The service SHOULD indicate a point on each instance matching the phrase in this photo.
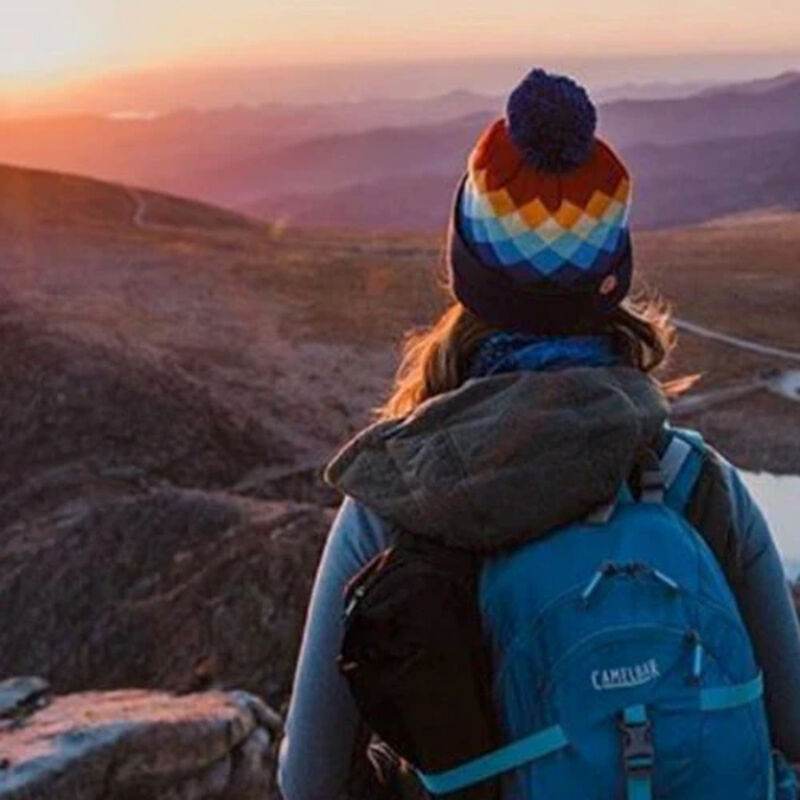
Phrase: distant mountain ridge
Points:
(403, 177)
(393, 163)
(675, 183)
(758, 86)
(339, 160)
(733, 111)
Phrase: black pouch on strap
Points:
(710, 511)
(414, 657)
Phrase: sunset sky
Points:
(50, 44)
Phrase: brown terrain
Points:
(174, 375)
(742, 277)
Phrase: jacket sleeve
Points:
(322, 722)
(766, 605)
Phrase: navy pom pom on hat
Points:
(539, 239)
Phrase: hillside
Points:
(36, 200)
(173, 376)
(263, 316)
(738, 276)
(237, 305)
(148, 534)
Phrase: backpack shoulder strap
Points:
(696, 487)
(682, 461)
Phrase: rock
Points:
(137, 745)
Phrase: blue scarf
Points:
(513, 352)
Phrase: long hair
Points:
(436, 359)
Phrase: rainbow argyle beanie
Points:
(539, 238)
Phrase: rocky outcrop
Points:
(147, 539)
(140, 745)
(146, 535)
(166, 588)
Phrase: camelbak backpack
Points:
(617, 664)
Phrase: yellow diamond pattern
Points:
(501, 202)
(534, 213)
(568, 214)
(597, 204)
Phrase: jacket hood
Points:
(504, 459)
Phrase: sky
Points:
(51, 45)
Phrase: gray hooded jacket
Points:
(495, 462)
(505, 458)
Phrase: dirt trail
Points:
(736, 341)
(138, 220)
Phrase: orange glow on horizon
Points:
(48, 44)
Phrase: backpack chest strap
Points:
(638, 753)
(514, 755)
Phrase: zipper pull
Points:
(358, 593)
(606, 569)
(697, 656)
(666, 580)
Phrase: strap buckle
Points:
(638, 753)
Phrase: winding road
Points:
(784, 383)
(140, 210)
(736, 341)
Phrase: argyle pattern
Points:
(565, 229)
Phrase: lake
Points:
(779, 498)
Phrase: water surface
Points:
(779, 498)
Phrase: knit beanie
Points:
(538, 239)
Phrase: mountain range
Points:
(392, 164)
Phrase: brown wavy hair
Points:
(436, 359)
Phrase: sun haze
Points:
(42, 39)
(114, 55)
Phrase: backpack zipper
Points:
(358, 593)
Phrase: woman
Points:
(519, 410)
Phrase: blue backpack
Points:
(621, 665)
